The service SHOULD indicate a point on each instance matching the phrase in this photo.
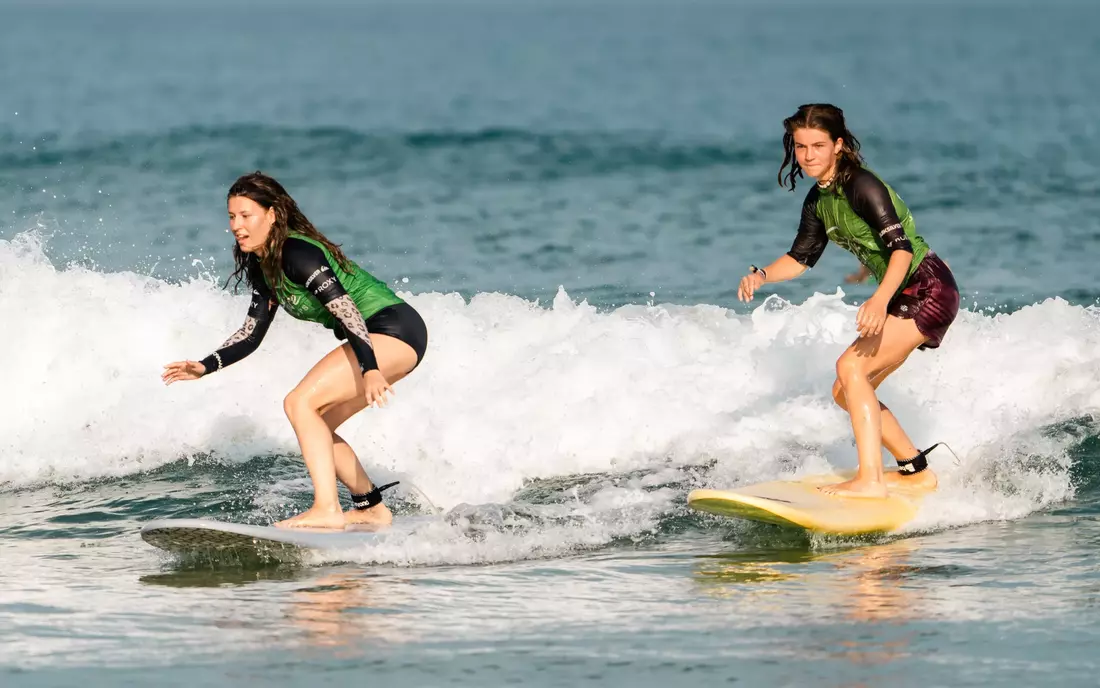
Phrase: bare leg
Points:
(396, 359)
(856, 368)
(894, 438)
(334, 381)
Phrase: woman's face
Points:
(250, 223)
(816, 152)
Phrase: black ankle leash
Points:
(374, 497)
(916, 464)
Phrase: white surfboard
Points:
(201, 535)
(800, 504)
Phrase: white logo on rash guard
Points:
(894, 235)
(315, 274)
(324, 285)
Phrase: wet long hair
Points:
(268, 193)
(829, 119)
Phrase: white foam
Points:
(513, 391)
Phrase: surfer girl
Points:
(914, 304)
(288, 263)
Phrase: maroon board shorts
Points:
(930, 298)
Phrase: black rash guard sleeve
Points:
(811, 240)
(306, 265)
(247, 339)
(871, 200)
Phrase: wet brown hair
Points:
(829, 119)
(268, 193)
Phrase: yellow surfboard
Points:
(800, 504)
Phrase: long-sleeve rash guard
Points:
(307, 266)
(865, 217)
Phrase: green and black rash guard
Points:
(866, 218)
(313, 289)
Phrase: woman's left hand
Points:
(871, 317)
(376, 387)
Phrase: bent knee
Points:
(296, 403)
(849, 368)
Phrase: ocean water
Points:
(569, 195)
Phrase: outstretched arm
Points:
(782, 269)
(242, 343)
(806, 250)
(247, 339)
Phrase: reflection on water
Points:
(861, 585)
(719, 573)
(867, 583)
(338, 609)
(346, 610)
(216, 578)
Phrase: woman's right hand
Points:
(749, 284)
(182, 370)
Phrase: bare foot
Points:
(926, 479)
(377, 515)
(314, 518)
(855, 488)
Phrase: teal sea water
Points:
(569, 194)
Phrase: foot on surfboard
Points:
(377, 515)
(856, 488)
(925, 480)
(314, 518)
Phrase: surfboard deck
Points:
(200, 535)
(798, 503)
